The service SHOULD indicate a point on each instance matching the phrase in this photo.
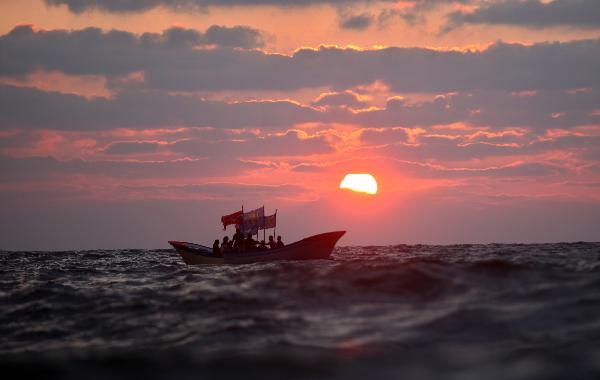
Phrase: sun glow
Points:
(363, 183)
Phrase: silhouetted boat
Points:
(310, 248)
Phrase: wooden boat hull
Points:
(194, 254)
(311, 248)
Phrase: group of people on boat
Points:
(241, 243)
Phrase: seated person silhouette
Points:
(279, 242)
(225, 245)
(262, 246)
(216, 250)
(249, 243)
(272, 244)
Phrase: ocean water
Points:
(428, 312)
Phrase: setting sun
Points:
(364, 183)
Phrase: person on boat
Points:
(262, 246)
(237, 242)
(279, 242)
(216, 249)
(272, 244)
(225, 245)
(249, 243)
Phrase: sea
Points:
(494, 311)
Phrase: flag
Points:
(235, 218)
(252, 221)
(270, 222)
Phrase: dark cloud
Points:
(532, 14)
(307, 168)
(383, 136)
(537, 110)
(78, 6)
(414, 11)
(593, 185)
(226, 190)
(503, 66)
(141, 109)
(17, 139)
(114, 52)
(175, 66)
(339, 99)
(237, 36)
(223, 36)
(442, 149)
(84, 51)
(288, 144)
(447, 150)
(184, 38)
(175, 37)
(529, 169)
(426, 170)
(357, 22)
(131, 147)
(400, 112)
(48, 168)
(522, 169)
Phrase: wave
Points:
(466, 310)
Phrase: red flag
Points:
(235, 218)
(270, 221)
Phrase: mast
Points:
(275, 226)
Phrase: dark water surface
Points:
(462, 311)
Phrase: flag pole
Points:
(275, 226)
(263, 221)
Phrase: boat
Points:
(311, 248)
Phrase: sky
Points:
(125, 124)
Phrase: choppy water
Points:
(463, 311)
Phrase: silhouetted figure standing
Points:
(238, 240)
(279, 242)
(272, 244)
(216, 249)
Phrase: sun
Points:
(363, 183)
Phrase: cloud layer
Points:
(532, 14)
(171, 61)
(78, 6)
